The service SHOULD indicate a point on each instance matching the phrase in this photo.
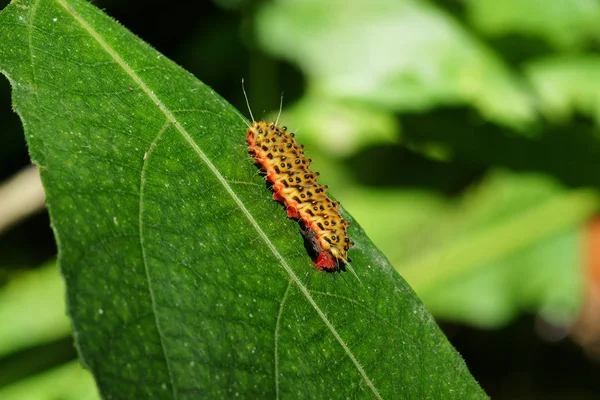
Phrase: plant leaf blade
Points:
(184, 279)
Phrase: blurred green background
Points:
(462, 134)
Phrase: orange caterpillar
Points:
(296, 186)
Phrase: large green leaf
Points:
(184, 279)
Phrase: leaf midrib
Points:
(171, 118)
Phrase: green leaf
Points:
(184, 279)
(566, 85)
(566, 24)
(341, 127)
(32, 310)
(67, 382)
(509, 245)
(402, 56)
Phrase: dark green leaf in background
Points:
(184, 279)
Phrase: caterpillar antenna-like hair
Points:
(280, 107)
(353, 273)
(247, 102)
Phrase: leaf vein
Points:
(357, 304)
(276, 336)
(145, 259)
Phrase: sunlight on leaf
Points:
(67, 382)
(340, 128)
(567, 85)
(32, 310)
(403, 56)
(566, 24)
(509, 245)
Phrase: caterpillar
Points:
(296, 186)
